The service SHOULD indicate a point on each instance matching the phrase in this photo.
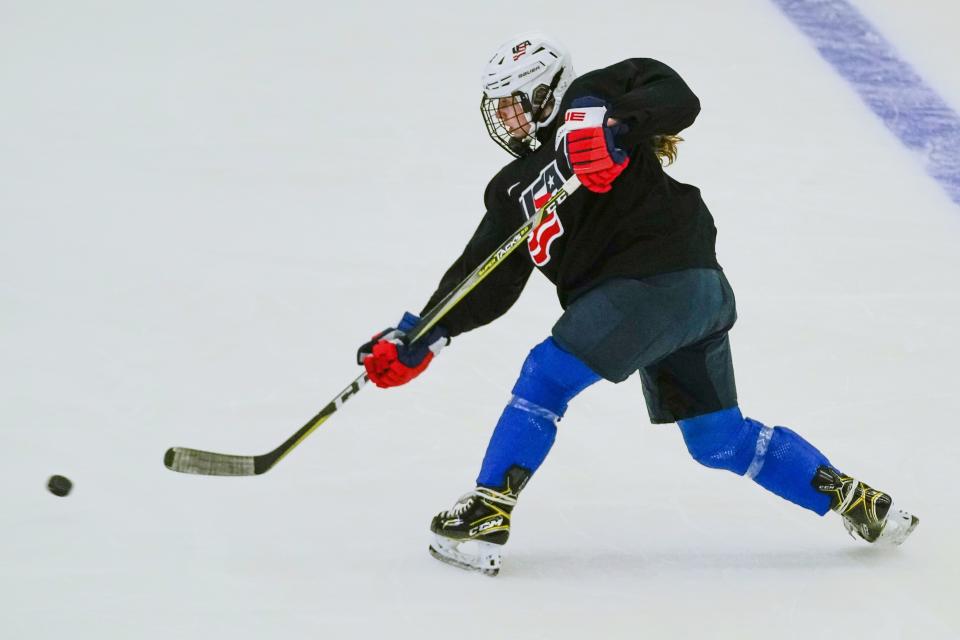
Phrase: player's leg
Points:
(549, 379)
(695, 387)
(783, 462)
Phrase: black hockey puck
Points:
(59, 486)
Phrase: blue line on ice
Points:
(912, 110)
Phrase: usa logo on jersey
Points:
(550, 227)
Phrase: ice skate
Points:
(480, 517)
(867, 513)
(480, 523)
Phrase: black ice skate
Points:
(866, 512)
(480, 517)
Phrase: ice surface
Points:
(205, 208)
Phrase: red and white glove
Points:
(391, 362)
(591, 149)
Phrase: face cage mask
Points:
(526, 117)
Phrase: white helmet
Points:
(523, 84)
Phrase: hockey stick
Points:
(209, 463)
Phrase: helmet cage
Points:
(536, 109)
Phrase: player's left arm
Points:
(615, 109)
(657, 100)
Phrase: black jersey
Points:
(647, 224)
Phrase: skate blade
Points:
(896, 529)
(487, 561)
(900, 525)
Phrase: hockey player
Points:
(633, 260)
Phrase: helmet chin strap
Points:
(518, 147)
(533, 134)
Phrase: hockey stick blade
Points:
(208, 463)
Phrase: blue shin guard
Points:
(549, 379)
(778, 459)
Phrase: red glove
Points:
(591, 149)
(391, 362)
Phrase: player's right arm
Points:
(497, 292)
(389, 362)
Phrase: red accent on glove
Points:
(385, 368)
(591, 160)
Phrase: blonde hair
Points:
(666, 148)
